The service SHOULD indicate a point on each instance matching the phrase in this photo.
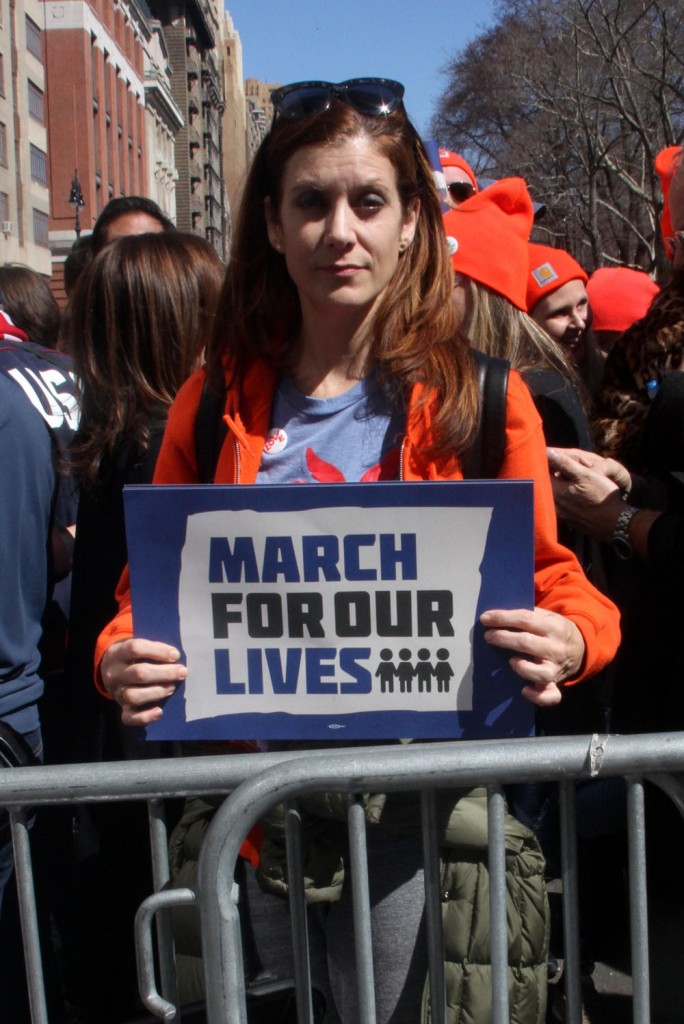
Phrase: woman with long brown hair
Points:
(335, 330)
(139, 319)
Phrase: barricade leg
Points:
(638, 902)
(29, 917)
(433, 908)
(300, 939)
(224, 972)
(497, 906)
(570, 876)
(361, 904)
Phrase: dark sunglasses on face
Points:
(373, 97)
(461, 190)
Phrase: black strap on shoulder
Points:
(482, 461)
(484, 458)
(210, 432)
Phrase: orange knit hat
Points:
(449, 159)
(665, 163)
(619, 296)
(487, 237)
(549, 269)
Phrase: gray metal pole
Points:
(569, 869)
(638, 901)
(363, 943)
(29, 917)
(433, 908)
(497, 904)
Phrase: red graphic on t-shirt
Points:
(325, 473)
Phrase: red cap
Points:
(449, 159)
(487, 237)
(665, 163)
(549, 269)
(619, 296)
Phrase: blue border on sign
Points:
(156, 518)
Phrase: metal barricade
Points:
(257, 782)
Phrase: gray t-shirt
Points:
(353, 437)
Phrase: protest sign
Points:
(333, 611)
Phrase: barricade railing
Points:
(258, 782)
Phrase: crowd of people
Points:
(345, 320)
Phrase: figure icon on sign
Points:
(386, 671)
(405, 671)
(443, 671)
(424, 671)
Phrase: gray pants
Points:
(397, 926)
(400, 967)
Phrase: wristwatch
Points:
(620, 539)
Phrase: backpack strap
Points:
(210, 432)
(484, 458)
(482, 461)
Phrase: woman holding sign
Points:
(338, 357)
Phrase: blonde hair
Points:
(495, 326)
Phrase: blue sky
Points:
(324, 39)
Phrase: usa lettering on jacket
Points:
(52, 392)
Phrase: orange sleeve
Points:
(175, 465)
(559, 581)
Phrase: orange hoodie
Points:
(560, 584)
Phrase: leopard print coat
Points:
(648, 350)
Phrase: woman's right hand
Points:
(139, 675)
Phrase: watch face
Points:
(621, 547)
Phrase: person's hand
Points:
(587, 496)
(548, 648)
(609, 468)
(139, 675)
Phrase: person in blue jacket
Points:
(27, 492)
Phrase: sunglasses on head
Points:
(461, 190)
(374, 97)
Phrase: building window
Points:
(4, 206)
(38, 166)
(33, 38)
(2, 75)
(35, 102)
(108, 109)
(40, 228)
(3, 145)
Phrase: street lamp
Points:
(77, 201)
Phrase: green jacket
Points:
(464, 889)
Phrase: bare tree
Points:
(577, 97)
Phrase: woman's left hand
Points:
(549, 648)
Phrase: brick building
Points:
(234, 122)
(95, 64)
(24, 196)
(125, 95)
